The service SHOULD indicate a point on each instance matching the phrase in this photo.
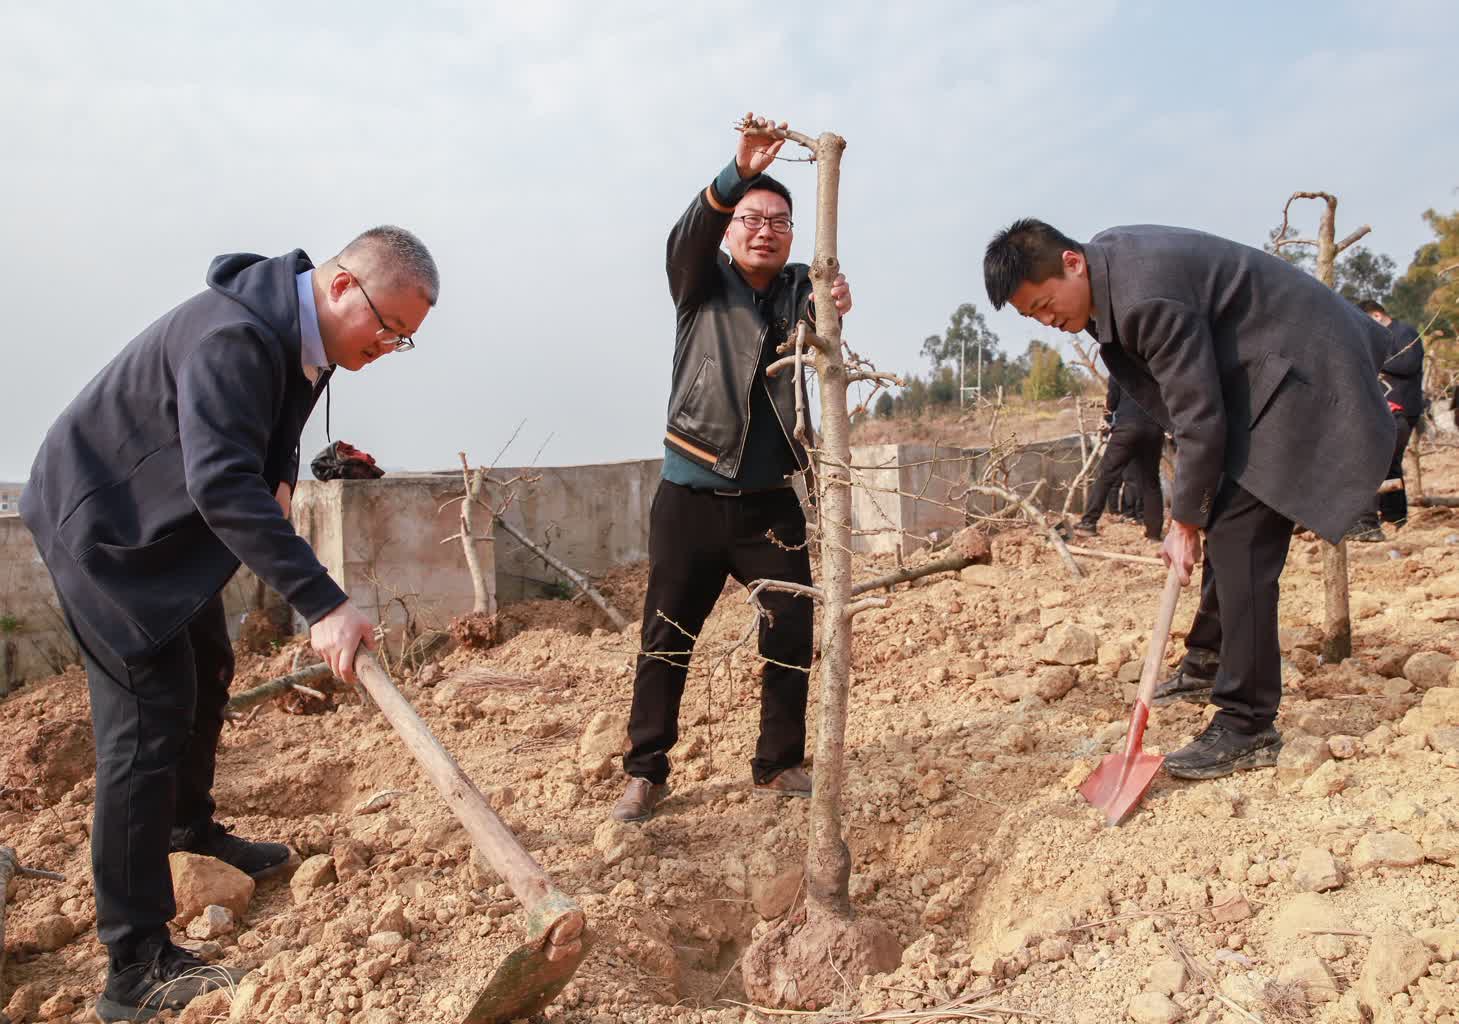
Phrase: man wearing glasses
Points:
(175, 464)
(725, 506)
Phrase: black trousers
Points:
(1245, 550)
(157, 725)
(1393, 506)
(697, 539)
(1126, 447)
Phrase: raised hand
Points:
(757, 148)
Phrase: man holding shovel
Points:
(725, 506)
(1268, 380)
(175, 464)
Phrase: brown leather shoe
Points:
(791, 782)
(639, 799)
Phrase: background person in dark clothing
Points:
(1403, 380)
(725, 506)
(1134, 441)
(175, 464)
(1268, 382)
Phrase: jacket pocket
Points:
(691, 418)
(1270, 373)
(160, 585)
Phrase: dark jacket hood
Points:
(265, 287)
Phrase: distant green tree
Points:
(966, 333)
(1047, 377)
(1365, 274)
(886, 406)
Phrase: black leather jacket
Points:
(721, 331)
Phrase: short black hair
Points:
(1027, 250)
(769, 184)
(1372, 306)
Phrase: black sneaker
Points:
(211, 839)
(169, 980)
(1186, 684)
(1086, 529)
(1220, 751)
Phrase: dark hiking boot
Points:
(168, 980)
(1192, 680)
(210, 839)
(1085, 528)
(1221, 750)
(794, 782)
(639, 799)
(1366, 530)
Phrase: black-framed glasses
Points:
(398, 342)
(754, 222)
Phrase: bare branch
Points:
(874, 375)
(1034, 516)
(592, 592)
(862, 604)
(1353, 237)
(1115, 556)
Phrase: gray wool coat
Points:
(1259, 371)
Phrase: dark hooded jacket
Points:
(159, 478)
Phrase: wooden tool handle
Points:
(1155, 653)
(514, 864)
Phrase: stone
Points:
(773, 897)
(1344, 747)
(1300, 757)
(1326, 781)
(1316, 871)
(1428, 669)
(1389, 661)
(200, 882)
(1111, 656)
(1069, 645)
(1300, 638)
(983, 575)
(1308, 911)
(1236, 865)
(207, 1008)
(931, 786)
(315, 873)
(350, 858)
(1168, 977)
(1015, 739)
(1154, 1008)
(1444, 942)
(1386, 849)
(1315, 977)
(211, 923)
(391, 918)
(1444, 739)
(24, 1002)
(56, 1007)
(1395, 961)
(1330, 947)
(1378, 739)
(1442, 847)
(46, 934)
(385, 941)
(603, 741)
(1229, 907)
(617, 841)
(1444, 702)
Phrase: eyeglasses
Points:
(398, 342)
(753, 222)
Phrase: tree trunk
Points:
(806, 961)
(1337, 628)
(483, 594)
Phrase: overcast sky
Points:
(542, 149)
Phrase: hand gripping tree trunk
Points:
(1337, 631)
(810, 957)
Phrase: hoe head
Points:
(533, 974)
(1118, 784)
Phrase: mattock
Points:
(533, 974)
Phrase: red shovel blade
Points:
(1118, 784)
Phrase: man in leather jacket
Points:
(725, 506)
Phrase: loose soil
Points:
(968, 838)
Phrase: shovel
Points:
(534, 973)
(1117, 785)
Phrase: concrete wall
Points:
(382, 539)
(931, 483)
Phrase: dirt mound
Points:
(968, 840)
